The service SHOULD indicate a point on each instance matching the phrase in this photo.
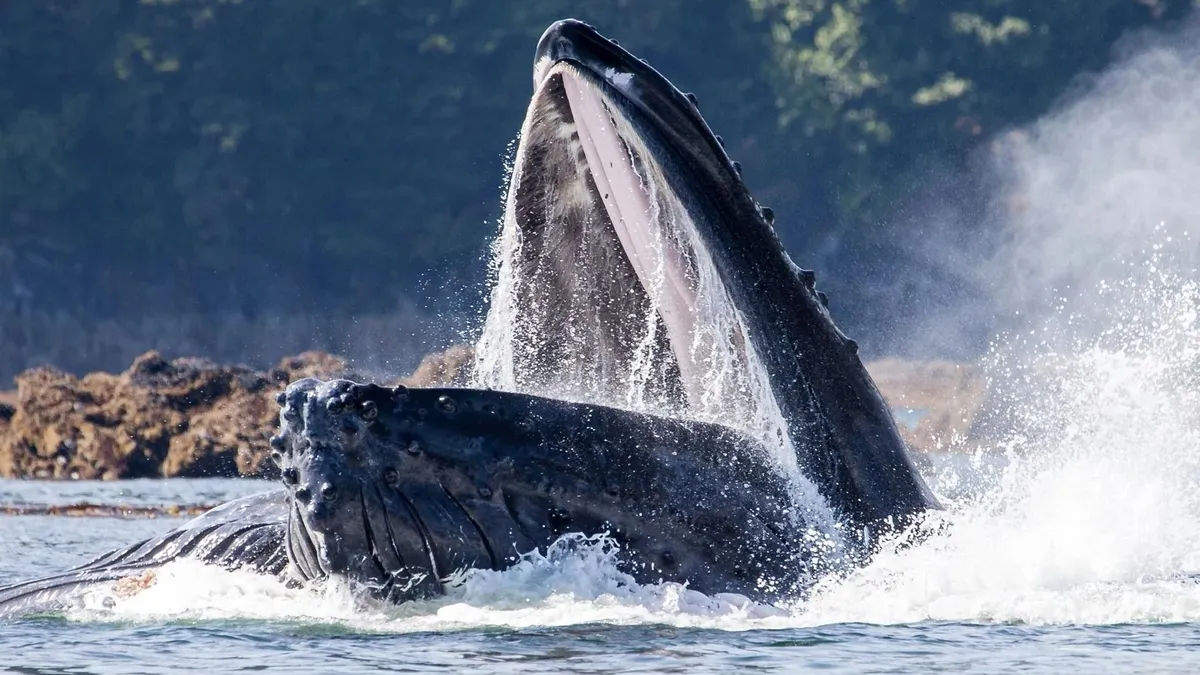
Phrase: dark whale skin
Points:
(434, 481)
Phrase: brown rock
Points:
(451, 367)
(186, 417)
(8, 408)
(934, 402)
(312, 364)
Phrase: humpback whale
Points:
(653, 367)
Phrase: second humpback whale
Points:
(653, 366)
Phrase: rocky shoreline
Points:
(192, 417)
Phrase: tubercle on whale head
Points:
(394, 489)
(339, 508)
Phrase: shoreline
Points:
(194, 418)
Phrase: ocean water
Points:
(958, 603)
(1070, 540)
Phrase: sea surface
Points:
(1048, 584)
(1069, 542)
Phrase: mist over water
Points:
(1086, 506)
(1074, 201)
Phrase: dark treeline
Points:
(240, 157)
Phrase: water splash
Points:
(1086, 507)
(1080, 505)
(576, 581)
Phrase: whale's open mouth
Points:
(634, 269)
(593, 251)
(613, 301)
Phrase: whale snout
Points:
(361, 488)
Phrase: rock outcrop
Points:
(935, 403)
(192, 417)
(184, 417)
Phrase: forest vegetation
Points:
(250, 156)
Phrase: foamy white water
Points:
(1093, 516)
